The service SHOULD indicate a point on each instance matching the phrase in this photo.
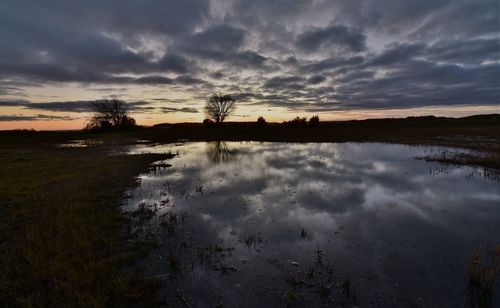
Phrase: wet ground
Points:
(312, 225)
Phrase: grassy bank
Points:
(62, 235)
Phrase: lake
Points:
(246, 224)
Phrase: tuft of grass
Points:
(145, 211)
(483, 269)
(175, 261)
(171, 220)
(290, 298)
(303, 233)
(211, 253)
(252, 240)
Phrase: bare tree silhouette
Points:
(219, 107)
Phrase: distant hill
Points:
(494, 117)
(489, 117)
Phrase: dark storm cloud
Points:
(301, 55)
(220, 37)
(12, 103)
(88, 42)
(183, 109)
(397, 53)
(316, 79)
(473, 51)
(7, 90)
(223, 44)
(153, 80)
(175, 63)
(332, 63)
(333, 36)
(283, 82)
(68, 106)
(38, 117)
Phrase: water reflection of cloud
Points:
(359, 201)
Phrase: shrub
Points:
(261, 121)
(314, 121)
(297, 122)
(110, 113)
(208, 123)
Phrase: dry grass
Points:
(62, 234)
(483, 270)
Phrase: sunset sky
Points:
(339, 59)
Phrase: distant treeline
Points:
(113, 114)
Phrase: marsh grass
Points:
(303, 233)
(290, 298)
(62, 233)
(174, 260)
(483, 270)
(252, 240)
(490, 160)
(321, 279)
(170, 220)
(145, 211)
(211, 253)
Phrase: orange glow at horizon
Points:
(246, 115)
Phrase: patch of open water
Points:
(313, 225)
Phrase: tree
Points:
(219, 107)
(110, 113)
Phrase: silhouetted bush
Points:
(102, 125)
(110, 113)
(208, 123)
(261, 122)
(127, 122)
(297, 122)
(314, 121)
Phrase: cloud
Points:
(332, 63)
(316, 79)
(183, 109)
(332, 36)
(219, 37)
(283, 82)
(175, 63)
(68, 106)
(303, 55)
(38, 117)
(397, 53)
(469, 52)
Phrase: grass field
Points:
(62, 235)
(63, 238)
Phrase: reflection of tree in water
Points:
(219, 153)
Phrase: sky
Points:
(339, 59)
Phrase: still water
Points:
(312, 225)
